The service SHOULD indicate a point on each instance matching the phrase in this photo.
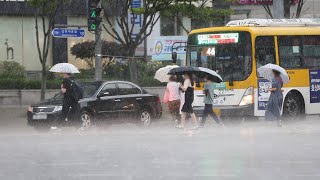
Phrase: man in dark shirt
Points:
(70, 104)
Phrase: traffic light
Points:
(94, 18)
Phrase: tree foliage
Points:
(46, 11)
(150, 12)
(109, 50)
(198, 10)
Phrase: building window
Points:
(167, 26)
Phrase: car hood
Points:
(49, 102)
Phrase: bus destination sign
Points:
(226, 38)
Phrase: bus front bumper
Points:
(229, 111)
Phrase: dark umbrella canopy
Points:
(182, 70)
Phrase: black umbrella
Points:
(182, 70)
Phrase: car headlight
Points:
(57, 108)
(247, 97)
(30, 109)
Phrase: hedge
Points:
(23, 83)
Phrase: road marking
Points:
(62, 164)
(287, 161)
(307, 175)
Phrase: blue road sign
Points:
(65, 33)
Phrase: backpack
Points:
(76, 90)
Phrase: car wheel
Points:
(86, 120)
(293, 107)
(145, 118)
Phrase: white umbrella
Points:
(210, 72)
(162, 73)
(266, 72)
(64, 68)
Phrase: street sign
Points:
(65, 33)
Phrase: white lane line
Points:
(287, 161)
(307, 175)
(169, 175)
(62, 164)
(93, 175)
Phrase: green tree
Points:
(117, 11)
(46, 12)
(84, 51)
(197, 10)
(109, 50)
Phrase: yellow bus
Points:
(238, 49)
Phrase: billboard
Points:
(162, 48)
(314, 76)
(263, 93)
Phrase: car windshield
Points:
(227, 53)
(90, 88)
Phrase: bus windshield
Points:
(228, 53)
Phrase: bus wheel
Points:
(293, 107)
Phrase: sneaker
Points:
(176, 122)
(54, 128)
(179, 127)
(195, 128)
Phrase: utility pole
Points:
(278, 9)
(94, 20)
(97, 49)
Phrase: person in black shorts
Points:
(187, 87)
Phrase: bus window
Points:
(228, 53)
(311, 51)
(290, 51)
(265, 50)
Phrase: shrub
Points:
(11, 69)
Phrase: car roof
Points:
(127, 82)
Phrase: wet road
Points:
(241, 150)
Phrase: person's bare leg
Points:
(194, 119)
(183, 119)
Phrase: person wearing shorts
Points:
(172, 97)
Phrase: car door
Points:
(106, 99)
(127, 102)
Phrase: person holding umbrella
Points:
(278, 76)
(71, 90)
(172, 97)
(187, 87)
(211, 78)
(209, 87)
(274, 106)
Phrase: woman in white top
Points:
(187, 87)
(172, 97)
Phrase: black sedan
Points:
(102, 101)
